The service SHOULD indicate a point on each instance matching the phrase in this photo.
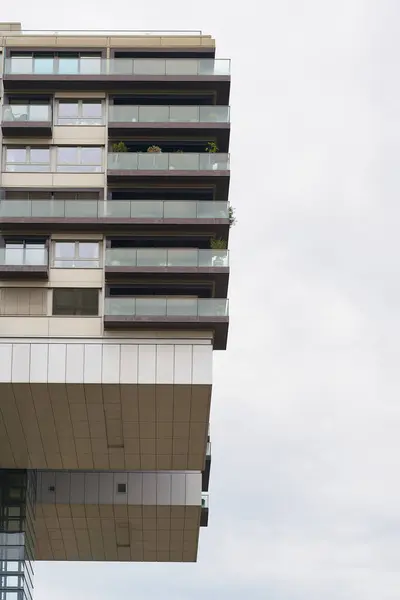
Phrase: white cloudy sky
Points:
(305, 490)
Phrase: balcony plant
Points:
(211, 147)
(154, 149)
(218, 244)
(119, 147)
(232, 216)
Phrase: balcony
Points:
(22, 120)
(169, 313)
(24, 261)
(174, 120)
(206, 216)
(140, 167)
(88, 72)
(186, 163)
(207, 265)
(204, 510)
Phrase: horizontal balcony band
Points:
(22, 120)
(193, 266)
(115, 209)
(166, 307)
(87, 66)
(168, 161)
(19, 264)
(168, 114)
(162, 257)
(170, 313)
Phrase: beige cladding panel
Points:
(79, 135)
(28, 180)
(50, 326)
(118, 41)
(76, 277)
(49, 180)
(100, 532)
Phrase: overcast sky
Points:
(305, 490)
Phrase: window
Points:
(79, 159)
(76, 302)
(84, 255)
(27, 159)
(79, 112)
(25, 253)
(121, 488)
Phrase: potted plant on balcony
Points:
(154, 149)
(118, 148)
(232, 216)
(218, 244)
(212, 148)
(154, 162)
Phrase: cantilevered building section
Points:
(114, 223)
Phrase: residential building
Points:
(114, 270)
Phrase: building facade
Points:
(114, 270)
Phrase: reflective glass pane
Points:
(154, 114)
(39, 112)
(19, 112)
(90, 65)
(88, 250)
(40, 155)
(67, 155)
(184, 114)
(65, 249)
(21, 64)
(68, 109)
(18, 155)
(43, 65)
(182, 307)
(14, 254)
(90, 156)
(35, 254)
(68, 65)
(149, 66)
(92, 109)
(151, 306)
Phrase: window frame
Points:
(28, 150)
(80, 167)
(80, 120)
(78, 306)
(76, 258)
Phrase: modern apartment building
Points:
(114, 226)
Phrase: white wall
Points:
(105, 361)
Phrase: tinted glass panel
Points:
(82, 302)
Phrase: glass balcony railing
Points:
(114, 209)
(24, 255)
(162, 257)
(86, 65)
(168, 114)
(166, 307)
(148, 161)
(27, 112)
